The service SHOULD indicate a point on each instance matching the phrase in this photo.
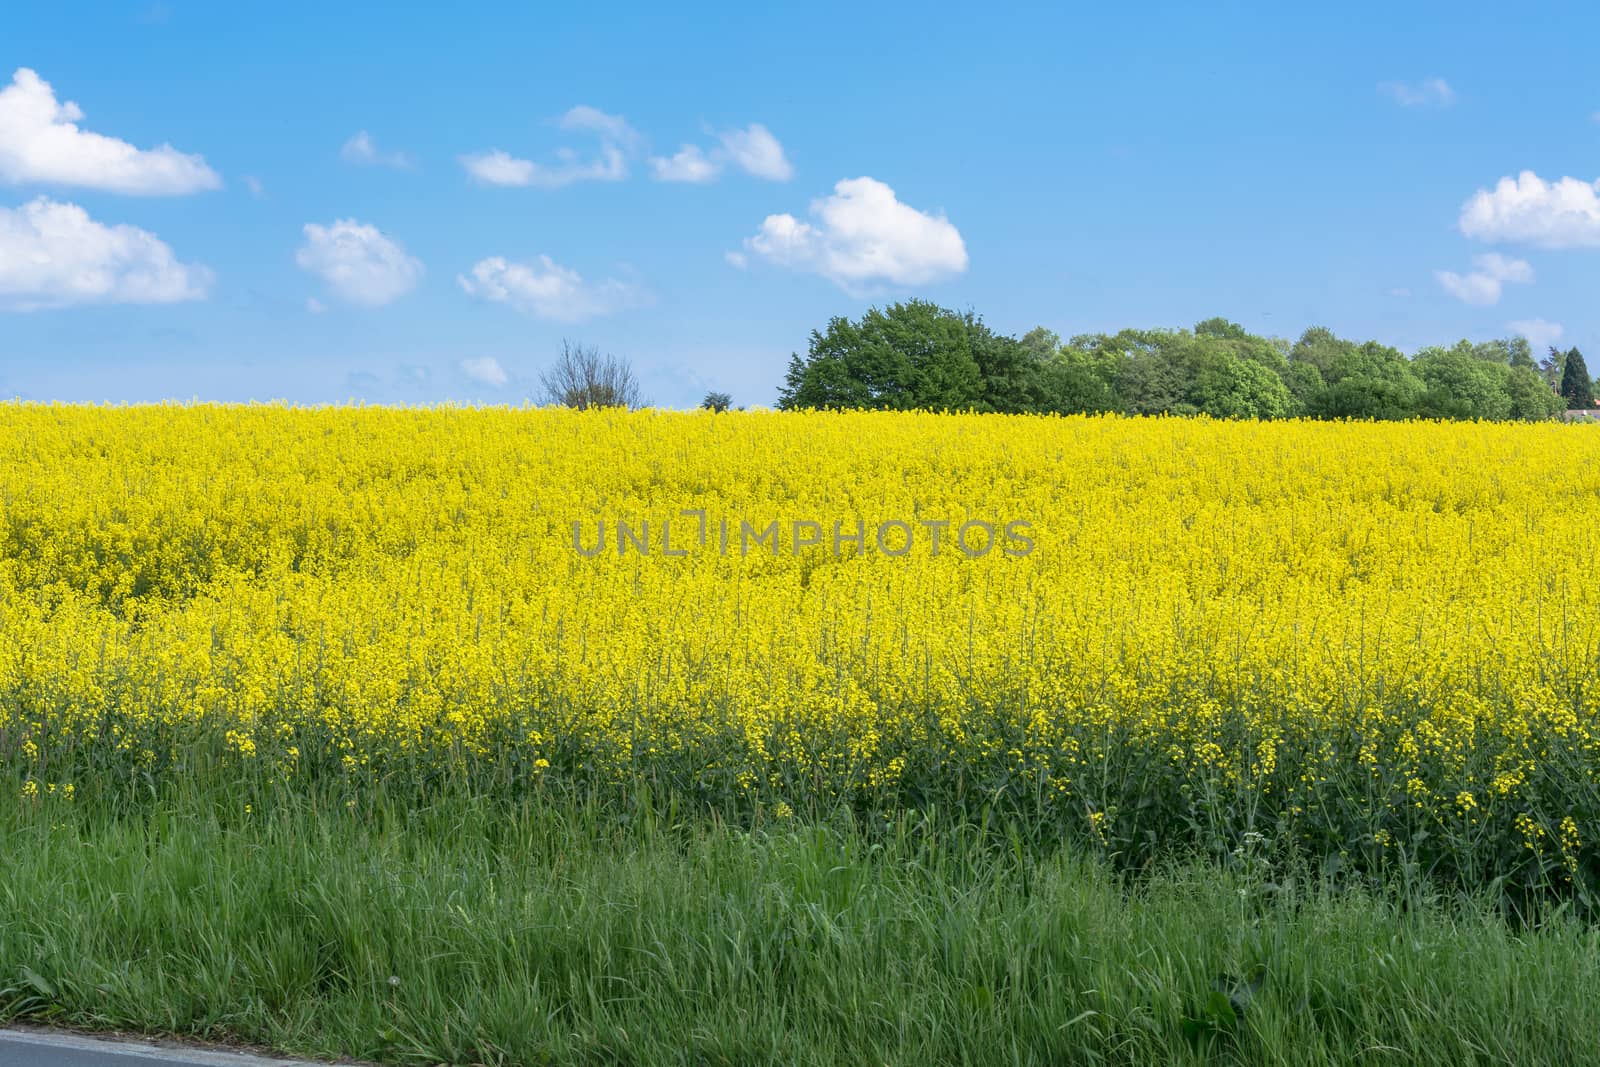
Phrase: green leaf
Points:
(39, 982)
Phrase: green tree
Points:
(1305, 384)
(1531, 398)
(915, 355)
(1462, 384)
(1009, 371)
(911, 355)
(1319, 348)
(1519, 353)
(1070, 385)
(1221, 328)
(1233, 388)
(1152, 376)
(1512, 351)
(1577, 388)
(1371, 382)
(1042, 343)
(717, 402)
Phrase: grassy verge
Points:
(565, 933)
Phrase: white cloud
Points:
(689, 164)
(358, 263)
(608, 164)
(41, 142)
(546, 289)
(753, 150)
(863, 235)
(362, 150)
(54, 255)
(1540, 334)
(1400, 292)
(736, 259)
(1484, 283)
(253, 184)
(1528, 209)
(496, 167)
(1432, 92)
(315, 306)
(613, 128)
(487, 371)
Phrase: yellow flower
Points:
(1284, 618)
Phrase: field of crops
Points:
(1359, 643)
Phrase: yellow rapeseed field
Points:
(1358, 639)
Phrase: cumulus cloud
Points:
(546, 289)
(1529, 210)
(486, 371)
(755, 151)
(736, 260)
(1432, 92)
(863, 235)
(54, 255)
(752, 149)
(40, 141)
(363, 151)
(689, 164)
(609, 163)
(1540, 334)
(496, 167)
(1484, 283)
(358, 263)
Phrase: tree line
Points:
(917, 355)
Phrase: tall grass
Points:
(558, 931)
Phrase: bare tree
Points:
(582, 378)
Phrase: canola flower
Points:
(1361, 640)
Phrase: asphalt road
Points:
(45, 1048)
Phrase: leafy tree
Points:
(1071, 386)
(1371, 382)
(1531, 398)
(1233, 388)
(1305, 384)
(1105, 355)
(1042, 343)
(918, 355)
(1222, 328)
(1319, 348)
(1519, 353)
(913, 355)
(1462, 384)
(717, 402)
(1577, 388)
(582, 378)
(1009, 370)
(1512, 351)
(1153, 378)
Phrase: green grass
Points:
(563, 932)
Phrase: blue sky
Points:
(1081, 169)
